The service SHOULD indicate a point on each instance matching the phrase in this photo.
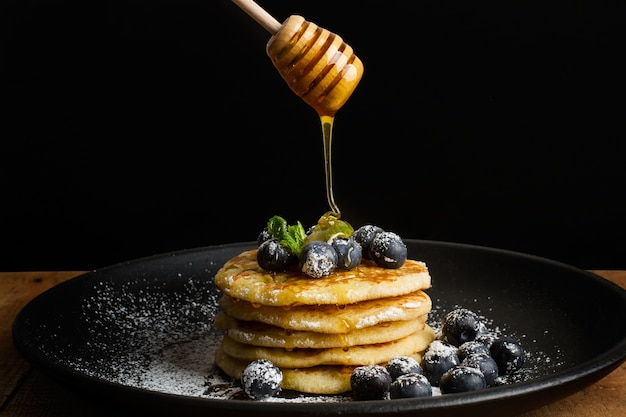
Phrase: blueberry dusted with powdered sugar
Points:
(401, 365)
(263, 236)
(462, 379)
(275, 257)
(459, 326)
(349, 252)
(388, 250)
(261, 379)
(508, 354)
(364, 236)
(410, 385)
(318, 259)
(370, 382)
(470, 348)
(486, 364)
(438, 358)
(486, 339)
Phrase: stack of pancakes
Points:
(318, 330)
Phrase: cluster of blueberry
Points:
(401, 377)
(467, 357)
(325, 249)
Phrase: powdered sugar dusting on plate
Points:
(157, 335)
(538, 363)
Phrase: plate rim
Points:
(583, 374)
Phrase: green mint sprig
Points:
(290, 236)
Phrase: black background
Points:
(133, 128)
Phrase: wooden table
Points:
(27, 392)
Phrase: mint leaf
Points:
(295, 240)
(277, 226)
(292, 237)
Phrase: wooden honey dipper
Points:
(316, 64)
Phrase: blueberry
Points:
(410, 385)
(471, 347)
(349, 252)
(482, 330)
(462, 379)
(261, 379)
(388, 250)
(438, 358)
(370, 382)
(508, 354)
(485, 364)
(318, 259)
(274, 257)
(486, 339)
(263, 236)
(459, 326)
(364, 236)
(401, 365)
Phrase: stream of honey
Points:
(323, 71)
(327, 139)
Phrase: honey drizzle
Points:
(327, 138)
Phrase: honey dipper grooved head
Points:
(316, 64)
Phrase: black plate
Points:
(138, 334)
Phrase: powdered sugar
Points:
(439, 349)
(157, 335)
(381, 317)
(538, 363)
(261, 379)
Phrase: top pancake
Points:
(242, 278)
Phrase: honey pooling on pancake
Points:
(243, 279)
(318, 330)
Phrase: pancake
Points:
(242, 278)
(369, 354)
(318, 330)
(261, 334)
(331, 318)
(320, 380)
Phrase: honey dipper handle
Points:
(260, 15)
